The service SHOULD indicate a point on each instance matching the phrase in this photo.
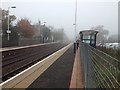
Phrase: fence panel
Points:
(100, 69)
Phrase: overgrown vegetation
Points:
(112, 52)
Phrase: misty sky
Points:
(61, 13)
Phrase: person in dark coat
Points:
(77, 43)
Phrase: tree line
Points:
(103, 35)
(24, 28)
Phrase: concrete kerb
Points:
(14, 81)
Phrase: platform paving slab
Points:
(58, 75)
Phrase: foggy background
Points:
(60, 13)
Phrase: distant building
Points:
(38, 28)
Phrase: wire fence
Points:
(100, 70)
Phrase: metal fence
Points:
(29, 41)
(100, 70)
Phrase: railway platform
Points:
(56, 65)
(66, 72)
(59, 70)
(58, 75)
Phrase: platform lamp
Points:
(8, 31)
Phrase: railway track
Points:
(17, 60)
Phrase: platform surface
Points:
(58, 75)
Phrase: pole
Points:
(75, 26)
(8, 23)
(8, 31)
(40, 31)
(43, 31)
(75, 18)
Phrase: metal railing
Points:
(100, 70)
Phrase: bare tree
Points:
(102, 33)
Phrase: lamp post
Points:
(74, 32)
(8, 31)
(75, 24)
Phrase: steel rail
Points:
(38, 68)
(32, 59)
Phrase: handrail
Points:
(103, 67)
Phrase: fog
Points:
(61, 14)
